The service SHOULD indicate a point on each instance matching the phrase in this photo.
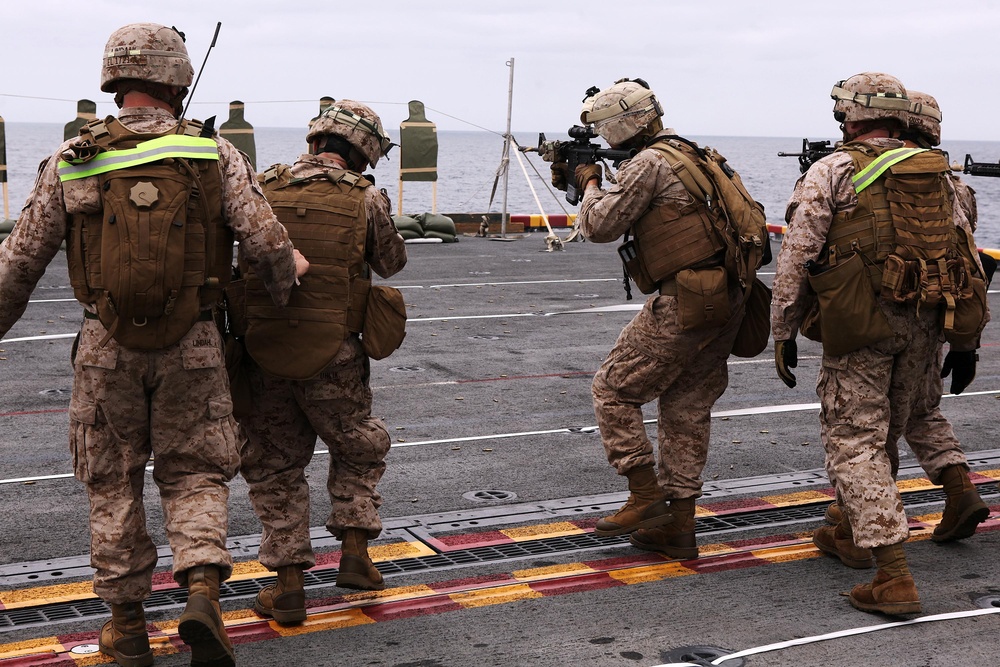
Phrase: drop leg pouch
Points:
(850, 315)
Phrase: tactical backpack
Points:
(156, 257)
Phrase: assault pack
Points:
(157, 255)
(903, 230)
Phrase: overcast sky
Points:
(723, 67)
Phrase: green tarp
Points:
(418, 146)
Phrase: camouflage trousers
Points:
(685, 371)
(869, 399)
(173, 404)
(281, 435)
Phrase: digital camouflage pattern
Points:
(173, 403)
(653, 359)
(146, 52)
(335, 405)
(871, 397)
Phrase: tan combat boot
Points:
(124, 637)
(645, 507)
(838, 541)
(675, 537)
(201, 626)
(892, 591)
(963, 508)
(356, 568)
(833, 514)
(285, 599)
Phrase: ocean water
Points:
(468, 164)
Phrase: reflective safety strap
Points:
(870, 174)
(172, 146)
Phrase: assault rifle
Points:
(576, 152)
(980, 168)
(811, 151)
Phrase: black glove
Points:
(584, 173)
(964, 366)
(786, 355)
(989, 266)
(559, 172)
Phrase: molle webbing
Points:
(669, 240)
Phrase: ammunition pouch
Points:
(635, 268)
(850, 315)
(702, 298)
(969, 316)
(755, 328)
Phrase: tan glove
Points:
(560, 175)
(585, 172)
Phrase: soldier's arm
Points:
(264, 242)
(34, 241)
(818, 194)
(605, 215)
(385, 249)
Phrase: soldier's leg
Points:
(194, 445)
(109, 442)
(339, 408)
(279, 444)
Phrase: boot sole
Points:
(681, 553)
(358, 582)
(125, 660)
(846, 560)
(966, 526)
(654, 522)
(282, 616)
(893, 609)
(207, 648)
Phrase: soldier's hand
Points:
(560, 175)
(301, 264)
(786, 355)
(586, 172)
(962, 368)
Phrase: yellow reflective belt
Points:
(173, 145)
(870, 174)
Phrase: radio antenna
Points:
(198, 78)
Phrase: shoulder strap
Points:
(693, 178)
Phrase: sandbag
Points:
(432, 222)
(447, 238)
(409, 224)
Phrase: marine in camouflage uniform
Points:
(871, 396)
(653, 358)
(335, 403)
(171, 403)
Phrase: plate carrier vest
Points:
(156, 257)
(903, 229)
(722, 226)
(326, 220)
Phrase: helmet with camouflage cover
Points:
(870, 96)
(924, 116)
(146, 52)
(622, 112)
(357, 124)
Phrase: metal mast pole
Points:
(506, 150)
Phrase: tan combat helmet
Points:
(355, 123)
(149, 53)
(924, 116)
(623, 111)
(870, 96)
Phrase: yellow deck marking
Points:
(30, 597)
(495, 595)
(796, 498)
(543, 530)
(399, 550)
(331, 620)
(392, 594)
(917, 484)
(249, 569)
(646, 573)
(537, 573)
(787, 554)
